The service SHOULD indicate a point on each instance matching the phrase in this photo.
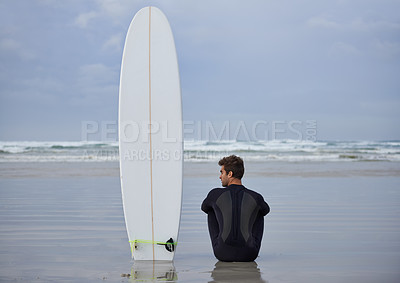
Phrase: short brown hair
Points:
(233, 163)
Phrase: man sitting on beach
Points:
(235, 215)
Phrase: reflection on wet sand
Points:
(152, 271)
(236, 272)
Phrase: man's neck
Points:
(235, 182)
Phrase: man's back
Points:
(236, 222)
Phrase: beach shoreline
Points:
(207, 169)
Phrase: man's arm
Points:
(207, 204)
(264, 207)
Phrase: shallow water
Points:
(65, 222)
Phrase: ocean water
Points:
(195, 151)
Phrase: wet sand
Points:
(329, 222)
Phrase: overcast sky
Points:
(335, 62)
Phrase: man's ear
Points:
(230, 174)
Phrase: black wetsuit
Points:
(235, 222)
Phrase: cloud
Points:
(344, 48)
(114, 43)
(358, 24)
(96, 74)
(388, 107)
(97, 83)
(357, 35)
(115, 11)
(9, 44)
(386, 48)
(36, 90)
(114, 8)
(322, 22)
(83, 20)
(12, 46)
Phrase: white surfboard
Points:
(150, 137)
